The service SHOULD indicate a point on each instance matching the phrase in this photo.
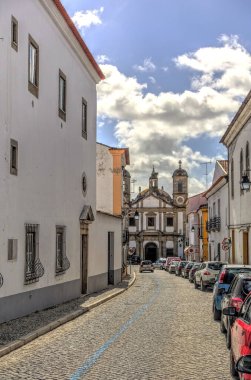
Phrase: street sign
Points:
(131, 251)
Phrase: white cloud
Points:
(101, 59)
(148, 65)
(84, 19)
(152, 80)
(156, 127)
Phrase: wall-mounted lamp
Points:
(136, 215)
(245, 182)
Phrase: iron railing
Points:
(1, 280)
(214, 224)
(63, 265)
(34, 269)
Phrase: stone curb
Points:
(6, 349)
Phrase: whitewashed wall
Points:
(52, 155)
(239, 206)
(104, 179)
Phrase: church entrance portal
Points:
(151, 252)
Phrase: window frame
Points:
(167, 223)
(13, 157)
(60, 269)
(30, 262)
(84, 118)
(33, 86)
(62, 111)
(154, 222)
(14, 36)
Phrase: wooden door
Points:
(245, 248)
(84, 263)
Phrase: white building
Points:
(217, 196)
(160, 229)
(108, 225)
(237, 140)
(48, 83)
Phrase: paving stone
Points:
(161, 328)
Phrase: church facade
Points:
(156, 221)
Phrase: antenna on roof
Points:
(206, 165)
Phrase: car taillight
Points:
(236, 302)
(222, 277)
(206, 273)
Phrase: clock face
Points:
(180, 200)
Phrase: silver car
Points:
(146, 266)
(207, 274)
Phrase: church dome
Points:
(180, 171)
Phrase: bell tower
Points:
(180, 186)
(153, 181)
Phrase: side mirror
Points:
(231, 311)
(243, 365)
(221, 291)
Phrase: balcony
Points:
(214, 224)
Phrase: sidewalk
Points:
(16, 333)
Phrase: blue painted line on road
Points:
(96, 355)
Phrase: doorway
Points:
(84, 263)
(245, 248)
(111, 258)
(151, 250)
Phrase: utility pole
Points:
(206, 166)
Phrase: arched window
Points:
(232, 178)
(241, 164)
(180, 187)
(247, 158)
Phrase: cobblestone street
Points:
(161, 328)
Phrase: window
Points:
(180, 187)
(33, 74)
(169, 221)
(232, 178)
(12, 249)
(33, 266)
(241, 167)
(13, 157)
(62, 263)
(214, 212)
(218, 207)
(150, 221)
(84, 118)
(14, 33)
(169, 252)
(62, 96)
(131, 222)
(247, 158)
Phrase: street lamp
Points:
(245, 182)
(136, 215)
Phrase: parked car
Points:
(222, 285)
(172, 266)
(179, 267)
(239, 289)
(168, 261)
(243, 366)
(146, 266)
(185, 271)
(240, 337)
(159, 263)
(194, 268)
(206, 275)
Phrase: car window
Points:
(246, 287)
(215, 266)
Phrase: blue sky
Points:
(176, 73)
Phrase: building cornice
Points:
(221, 181)
(240, 119)
(66, 26)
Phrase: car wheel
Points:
(216, 313)
(228, 338)
(195, 284)
(202, 286)
(233, 371)
(222, 326)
